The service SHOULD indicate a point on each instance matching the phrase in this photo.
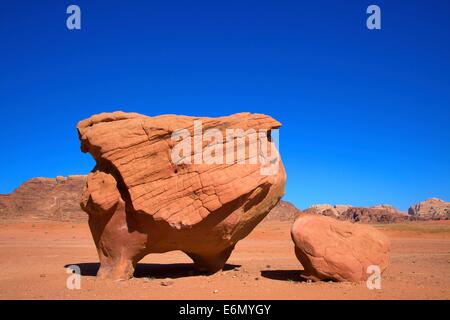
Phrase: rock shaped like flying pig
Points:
(159, 185)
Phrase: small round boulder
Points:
(330, 249)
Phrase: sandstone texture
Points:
(431, 209)
(140, 201)
(335, 250)
(45, 199)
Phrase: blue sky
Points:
(365, 114)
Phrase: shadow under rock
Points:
(283, 275)
(151, 270)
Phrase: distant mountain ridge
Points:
(58, 199)
(376, 214)
(45, 199)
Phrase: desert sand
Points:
(33, 256)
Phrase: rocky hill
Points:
(283, 211)
(431, 209)
(45, 199)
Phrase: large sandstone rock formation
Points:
(45, 199)
(431, 209)
(141, 201)
(376, 214)
(330, 249)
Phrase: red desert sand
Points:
(33, 256)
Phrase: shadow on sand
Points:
(283, 275)
(151, 270)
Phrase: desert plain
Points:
(34, 254)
